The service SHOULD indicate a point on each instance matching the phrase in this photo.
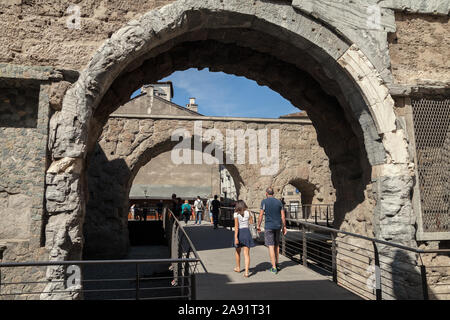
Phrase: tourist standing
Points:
(209, 210)
(275, 221)
(145, 211)
(215, 211)
(159, 209)
(133, 211)
(137, 214)
(242, 236)
(178, 213)
(198, 204)
(174, 204)
(186, 211)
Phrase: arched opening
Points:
(307, 63)
(111, 175)
(308, 201)
(306, 190)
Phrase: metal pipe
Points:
(377, 272)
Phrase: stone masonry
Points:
(341, 61)
(128, 142)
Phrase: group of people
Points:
(271, 208)
(275, 223)
(141, 213)
(184, 211)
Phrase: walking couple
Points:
(275, 222)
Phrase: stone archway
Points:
(128, 143)
(306, 188)
(307, 62)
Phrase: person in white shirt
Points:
(242, 236)
(133, 211)
(209, 210)
(198, 205)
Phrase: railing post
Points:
(186, 270)
(193, 295)
(328, 224)
(333, 259)
(305, 253)
(423, 273)
(377, 272)
(180, 264)
(283, 244)
(315, 215)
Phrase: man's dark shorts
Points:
(272, 237)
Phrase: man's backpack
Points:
(186, 210)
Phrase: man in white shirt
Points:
(198, 204)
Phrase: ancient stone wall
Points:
(41, 33)
(420, 49)
(161, 177)
(311, 63)
(24, 121)
(36, 33)
(24, 117)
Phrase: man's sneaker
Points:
(278, 267)
(273, 270)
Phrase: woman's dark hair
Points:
(240, 207)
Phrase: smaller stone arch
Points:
(306, 188)
(124, 147)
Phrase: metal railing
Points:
(180, 245)
(371, 268)
(139, 279)
(317, 213)
(314, 213)
(152, 214)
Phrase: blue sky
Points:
(220, 94)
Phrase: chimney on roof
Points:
(160, 89)
(192, 105)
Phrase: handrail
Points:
(71, 284)
(194, 250)
(415, 250)
(88, 262)
(317, 205)
(397, 271)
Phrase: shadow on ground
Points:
(264, 266)
(201, 237)
(225, 289)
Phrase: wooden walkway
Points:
(293, 282)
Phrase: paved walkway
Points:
(293, 282)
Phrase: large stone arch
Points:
(315, 67)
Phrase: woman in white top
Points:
(242, 236)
